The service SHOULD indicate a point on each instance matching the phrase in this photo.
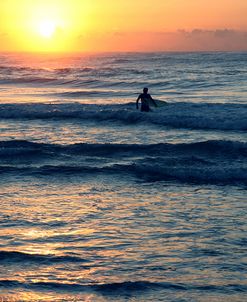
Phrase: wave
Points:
(55, 82)
(210, 162)
(110, 288)
(8, 69)
(65, 80)
(29, 80)
(51, 82)
(122, 288)
(101, 93)
(187, 172)
(223, 149)
(95, 71)
(13, 256)
(73, 70)
(174, 115)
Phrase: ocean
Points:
(102, 202)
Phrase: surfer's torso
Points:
(144, 97)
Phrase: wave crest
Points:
(177, 115)
(123, 288)
(212, 162)
(13, 256)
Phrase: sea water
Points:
(101, 202)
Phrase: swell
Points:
(122, 288)
(20, 257)
(175, 115)
(186, 171)
(211, 162)
(221, 148)
(88, 70)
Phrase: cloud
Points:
(224, 32)
(215, 40)
(180, 40)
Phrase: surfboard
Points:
(159, 103)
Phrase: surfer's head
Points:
(145, 89)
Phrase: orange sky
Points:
(122, 25)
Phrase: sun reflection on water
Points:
(98, 234)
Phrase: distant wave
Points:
(65, 80)
(30, 80)
(177, 115)
(212, 162)
(72, 70)
(14, 71)
(101, 93)
(51, 82)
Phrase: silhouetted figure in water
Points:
(146, 99)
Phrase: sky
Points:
(123, 25)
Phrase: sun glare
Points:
(43, 25)
(47, 28)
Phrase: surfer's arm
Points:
(137, 101)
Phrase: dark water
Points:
(100, 202)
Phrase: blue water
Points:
(101, 202)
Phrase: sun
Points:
(44, 25)
(47, 28)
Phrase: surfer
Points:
(146, 99)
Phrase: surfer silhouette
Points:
(146, 99)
